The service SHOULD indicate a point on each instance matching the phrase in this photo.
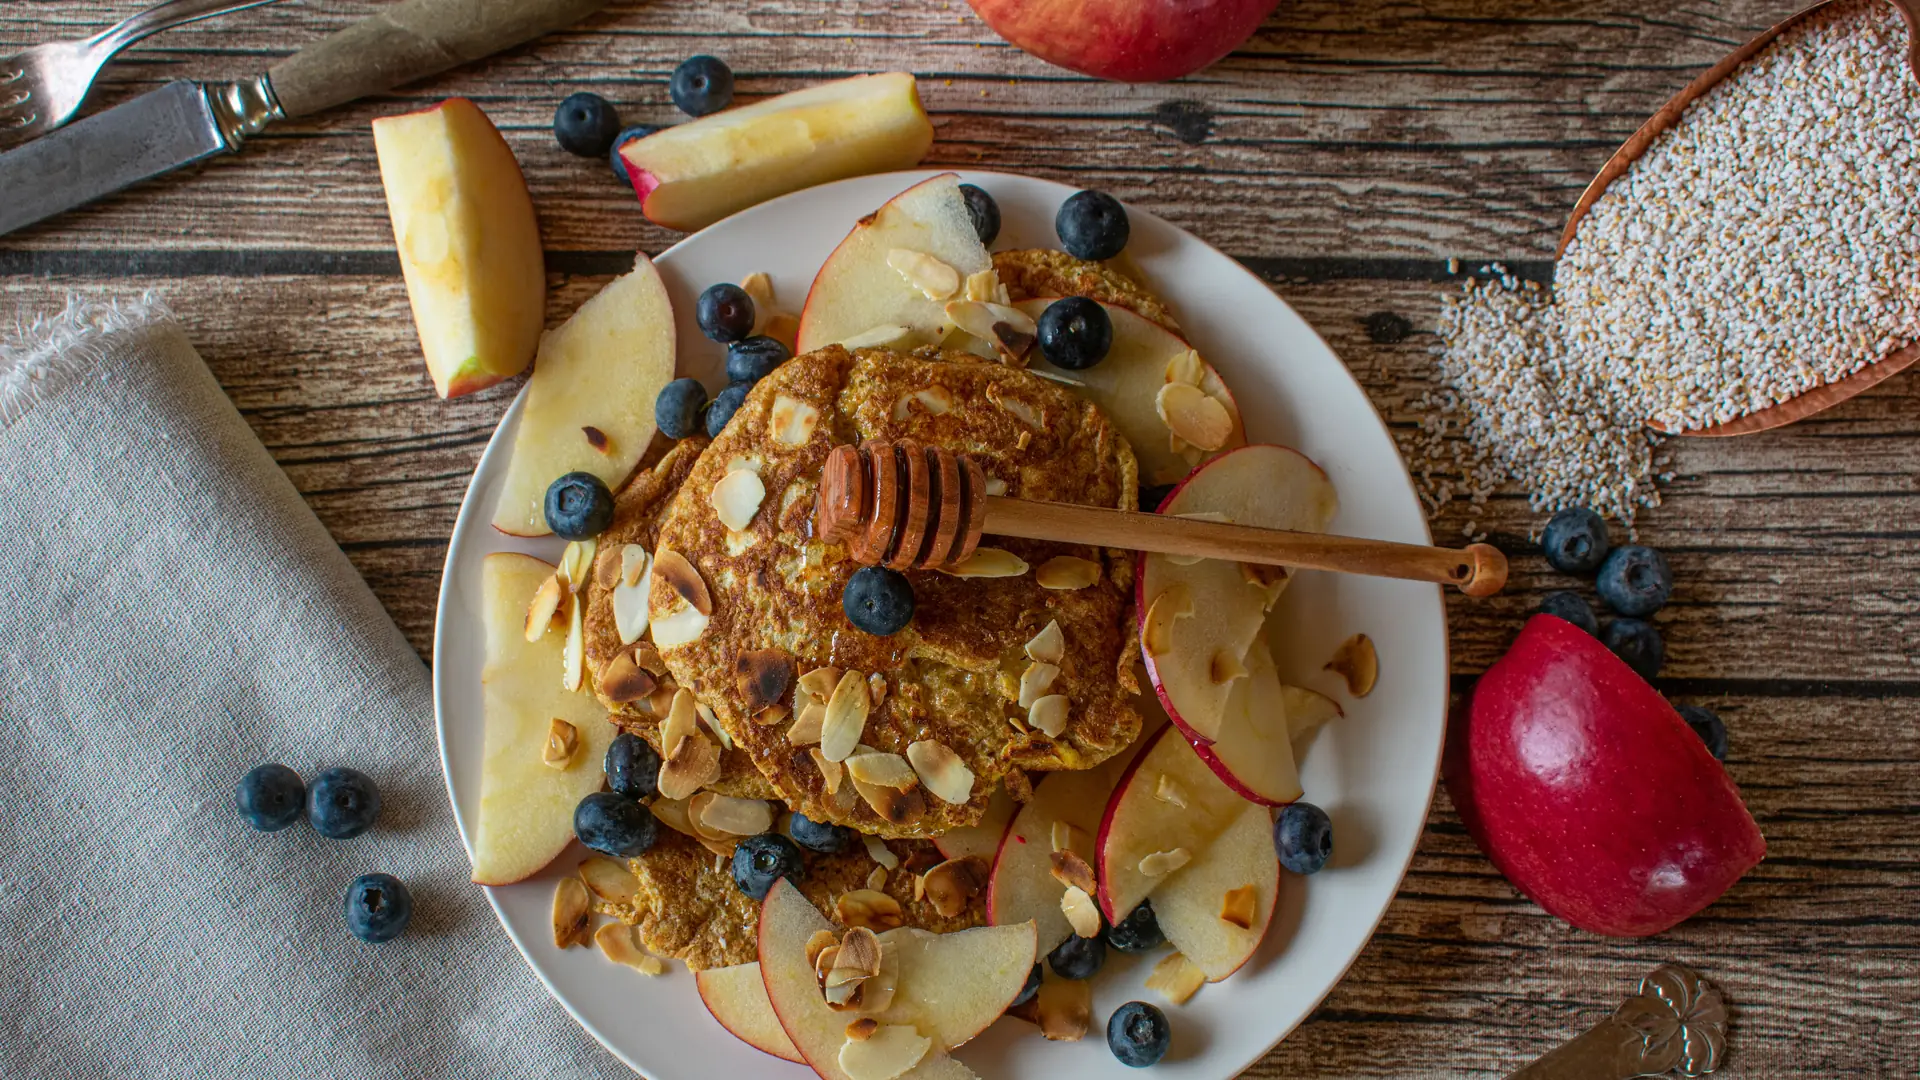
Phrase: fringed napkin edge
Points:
(47, 353)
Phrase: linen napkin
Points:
(177, 615)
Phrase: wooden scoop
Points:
(1822, 397)
(905, 505)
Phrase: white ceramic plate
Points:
(1373, 771)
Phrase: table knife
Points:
(185, 122)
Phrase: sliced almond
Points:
(679, 575)
(573, 656)
(878, 337)
(952, 885)
(1081, 912)
(889, 1051)
(1070, 869)
(1357, 663)
(1035, 681)
(859, 953)
(674, 815)
(869, 908)
(1065, 837)
(1048, 646)
(876, 690)
(896, 807)
(1237, 907)
(942, 771)
(661, 700)
(1008, 329)
(1186, 368)
(618, 944)
(772, 714)
(881, 770)
(830, 771)
(784, 328)
(737, 817)
(1168, 790)
(1176, 978)
(576, 562)
(819, 683)
(761, 677)
(877, 879)
(679, 627)
(862, 1029)
(609, 880)
(1162, 863)
(623, 681)
(562, 745)
(824, 959)
(1225, 667)
(696, 766)
(985, 287)
(1066, 573)
(806, 727)
(737, 498)
(760, 287)
(1193, 417)
(682, 721)
(1065, 1007)
(936, 280)
(572, 912)
(1049, 715)
(1022, 410)
(1156, 630)
(846, 718)
(792, 421)
(878, 851)
(844, 996)
(634, 561)
(713, 725)
(544, 607)
(932, 401)
(988, 562)
(821, 941)
(996, 486)
(630, 610)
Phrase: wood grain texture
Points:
(1345, 154)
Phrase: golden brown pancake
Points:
(1035, 272)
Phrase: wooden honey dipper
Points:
(905, 505)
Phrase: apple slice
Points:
(1168, 802)
(1127, 383)
(982, 838)
(1192, 660)
(737, 997)
(1192, 904)
(1253, 750)
(858, 290)
(526, 809)
(952, 987)
(691, 175)
(589, 404)
(469, 243)
(1022, 886)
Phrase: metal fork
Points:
(43, 87)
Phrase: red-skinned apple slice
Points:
(737, 998)
(857, 290)
(1127, 383)
(1126, 40)
(1253, 750)
(1190, 904)
(1167, 801)
(981, 839)
(1586, 789)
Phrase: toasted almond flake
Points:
(846, 718)
(1066, 573)
(737, 817)
(869, 908)
(609, 880)
(894, 806)
(1070, 869)
(1008, 329)
(996, 486)
(545, 606)
(1065, 1007)
(876, 690)
(1237, 907)
(988, 562)
(824, 959)
(932, 401)
(673, 813)
(713, 725)
(573, 656)
(784, 328)
(1225, 667)
(881, 770)
(1168, 790)
(1081, 912)
(1049, 715)
(891, 1050)
(1022, 410)
(1193, 417)
(1270, 580)
(819, 942)
(562, 745)
(878, 851)
(819, 683)
(1186, 368)
(830, 771)
(1162, 863)
(696, 766)
(737, 498)
(877, 878)
(1035, 681)
(618, 944)
(936, 280)
(843, 996)
(697, 804)
(1176, 978)
(679, 627)
(1357, 663)
(661, 700)
(649, 660)
(942, 771)
(1049, 646)
(862, 1029)
(806, 727)
(984, 287)
(919, 887)
(1156, 630)
(772, 714)
(877, 337)
(792, 421)
(761, 678)
(682, 721)
(679, 575)
(1065, 837)
(953, 884)
(572, 912)
(760, 287)
(859, 953)
(623, 681)
(630, 611)
(576, 562)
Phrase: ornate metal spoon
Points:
(1677, 1022)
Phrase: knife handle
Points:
(411, 40)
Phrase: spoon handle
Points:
(1677, 1021)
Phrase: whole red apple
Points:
(1126, 40)
(1588, 791)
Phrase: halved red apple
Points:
(982, 838)
(737, 997)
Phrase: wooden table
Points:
(1346, 153)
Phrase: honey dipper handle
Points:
(1477, 570)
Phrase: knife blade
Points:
(184, 123)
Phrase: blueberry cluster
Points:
(341, 804)
(614, 822)
(587, 125)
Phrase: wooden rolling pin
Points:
(905, 505)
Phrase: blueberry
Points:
(271, 797)
(632, 766)
(378, 907)
(878, 600)
(1708, 725)
(1138, 932)
(342, 803)
(725, 404)
(984, 212)
(1078, 957)
(586, 125)
(1092, 225)
(725, 312)
(614, 825)
(579, 506)
(1138, 1034)
(1032, 987)
(1635, 581)
(1575, 540)
(676, 412)
(1303, 837)
(751, 359)
(822, 836)
(1638, 643)
(1572, 607)
(627, 135)
(1152, 497)
(761, 860)
(1075, 333)
(701, 85)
